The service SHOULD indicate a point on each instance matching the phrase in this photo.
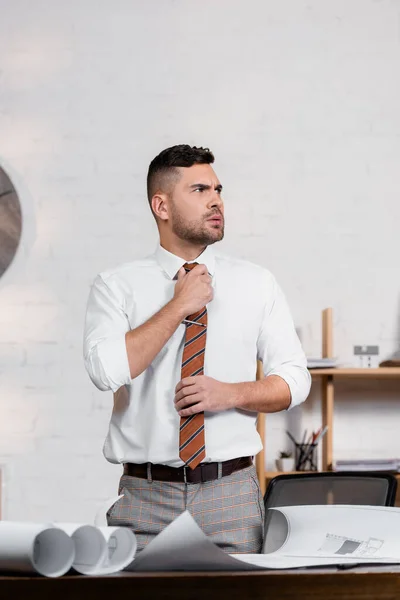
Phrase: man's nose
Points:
(216, 200)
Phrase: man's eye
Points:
(199, 189)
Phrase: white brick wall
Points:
(300, 103)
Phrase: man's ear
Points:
(159, 204)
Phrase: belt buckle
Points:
(184, 474)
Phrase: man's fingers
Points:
(186, 392)
(191, 410)
(199, 269)
(184, 383)
(206, 277)
(186, 402)
(181, 274)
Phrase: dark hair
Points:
(163, 170)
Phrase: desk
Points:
(209, 586)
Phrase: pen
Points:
(315, 435)
(321, 434)
(309, 451)
(302, 451)
(291, 437)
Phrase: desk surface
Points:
(209, 586)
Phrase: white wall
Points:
(299, 100)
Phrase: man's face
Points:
(196, 206)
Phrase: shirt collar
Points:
(172, 263)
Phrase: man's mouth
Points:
(215, 219)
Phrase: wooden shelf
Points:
(326, 378)
(379, 373)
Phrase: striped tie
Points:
(192, 448)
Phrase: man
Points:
(176, 337)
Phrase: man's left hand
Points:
(202, 393)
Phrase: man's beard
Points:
(196, 233)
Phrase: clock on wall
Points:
(10, 222)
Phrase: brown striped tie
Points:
(192, 448)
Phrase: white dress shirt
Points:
(248, 319)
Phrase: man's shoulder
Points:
(128, 271)
(244, 267)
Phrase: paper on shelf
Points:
(318, 363)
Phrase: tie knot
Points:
(189, 266)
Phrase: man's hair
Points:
(163, 170)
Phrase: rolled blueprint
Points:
(100, 550)
(121, 548)
(90, 547)
(35, 548)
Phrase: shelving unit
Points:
(327, 378)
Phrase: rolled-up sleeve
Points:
(106, 324)
(279, 347)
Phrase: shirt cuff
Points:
(114, 371)
(299, 387)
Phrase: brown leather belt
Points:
(203, 472)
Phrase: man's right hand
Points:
(193, 290)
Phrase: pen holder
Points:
(306, 457)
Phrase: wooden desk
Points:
(208, 586)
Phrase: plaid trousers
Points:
(229, 510)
